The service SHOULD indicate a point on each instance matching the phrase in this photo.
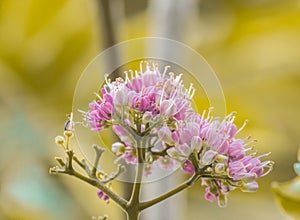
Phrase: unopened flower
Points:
(164, 135)
(168, 108)
(188, 167)
(250, 187)
(208, 157)
(196, 143)
(147, 116)
(102, 195)
(118, 148)
(59, 140)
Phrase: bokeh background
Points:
(253, 46)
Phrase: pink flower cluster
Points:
(100, 111)
(156, 107)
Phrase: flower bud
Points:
(222, 200)
(100, 194)
(173, 153)
(184, 149)
(121, 97)
(168, 108)
(221, 158)
(213, 189)
(249, 177)
(59, 140)
(68, 133)
(196, 143)
(147, 117)
(250, 187)
(219, 168)
(297, 168)
(188, 167)
(208, 157)
(118, 148)
(164, 134)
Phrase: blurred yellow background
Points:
(253, 46)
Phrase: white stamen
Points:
(126, 77)
(247, 138)
(193, 93)
(165, 71)
(107, 80)
(190, 88)
(100, 106)
(250, 142)
(264, 155)
(98, 96)
(141, 68)
(137, 74)
(177, 78)
(241, 128)
(131, 74)
(83, 112)
(162, 95)
(249, 149)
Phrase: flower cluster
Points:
(155, 108)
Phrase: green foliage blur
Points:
(253, 46)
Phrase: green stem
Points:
(187, 184)
(147, 131)
(133, 215)
(116, 198)
(133, 207)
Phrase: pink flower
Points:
(156, 107)
(100, 111)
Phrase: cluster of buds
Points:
(155, 107)
(95, 175)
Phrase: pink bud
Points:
(232, 131)
(108, 98)
(144, 103)
(137, 84)
(100, 194)
(164, 134)
(188, 167)
(223, 148)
